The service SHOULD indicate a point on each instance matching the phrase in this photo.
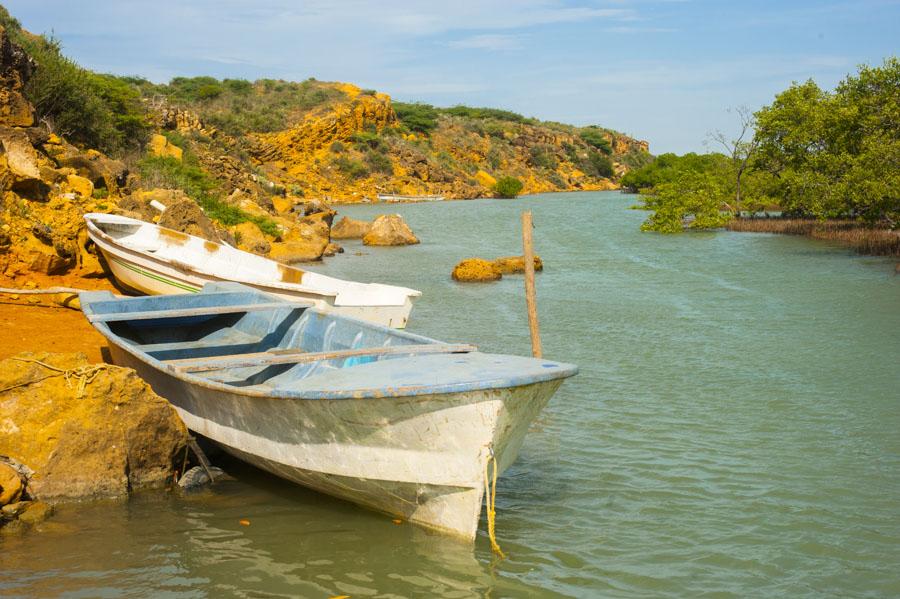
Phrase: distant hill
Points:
(335, 140)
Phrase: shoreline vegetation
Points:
(828, 161)
(862, 237)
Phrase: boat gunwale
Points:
(564, 370)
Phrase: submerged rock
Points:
(349, 228)
(85, 429)
(516, 264)
(476, 270)
(390, 229)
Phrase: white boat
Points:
(158, 261)
(394, 198)
(396, 422)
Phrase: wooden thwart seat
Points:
(297, 356)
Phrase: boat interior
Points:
(233, 335)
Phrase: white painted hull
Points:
(143, 272)
(419, 458)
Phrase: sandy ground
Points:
(36, 323)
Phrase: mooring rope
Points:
(48, 291)
(490, 490)
(84, 374)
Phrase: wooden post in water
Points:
(530, 300)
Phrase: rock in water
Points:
(85, 429)
(516, 264)
(390, 229)
(476, 270)
(349, 228)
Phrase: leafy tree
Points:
(836, 154)
(740, 150)
(507, 187)
(691, 199)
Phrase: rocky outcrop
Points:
(84, 429)
(516, 264)
(349, 228)
(186, 216)
(319, 130)
(390, 229)
(306, 240)
(250, 238)
(476, 270)
(161, 147)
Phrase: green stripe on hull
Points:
(156, 277)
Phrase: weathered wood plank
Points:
(185, 312)
(270, 358)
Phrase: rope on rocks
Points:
(48, 291)
(84, 374)
(490, 490)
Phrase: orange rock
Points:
(160, 146)
(100, 430)
(10, 484)
(390, 229)
(516, 264)
(80, 185)
(476, 270)
(349, 228)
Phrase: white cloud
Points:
(489, 41)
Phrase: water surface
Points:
(733, 432)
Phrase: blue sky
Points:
(662, 70)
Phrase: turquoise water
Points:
(734, 431)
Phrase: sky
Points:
(667, 71)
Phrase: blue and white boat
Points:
(393, 421)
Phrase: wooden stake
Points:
(530, 300)
(204, 462)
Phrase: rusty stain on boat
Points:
(211, 246)
(289, 274)
(174, 237)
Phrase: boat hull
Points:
(420, 458)
(155, 277)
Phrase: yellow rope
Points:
(490, 490)
(84, 374)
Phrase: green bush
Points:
(421, 118)
(486, 113)
(186, 175)
(352, 168)
(379, 163)
(100, 111)
(369, 138)
(595, 137)
(541, 156)
(337, 147)
(508, 187)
